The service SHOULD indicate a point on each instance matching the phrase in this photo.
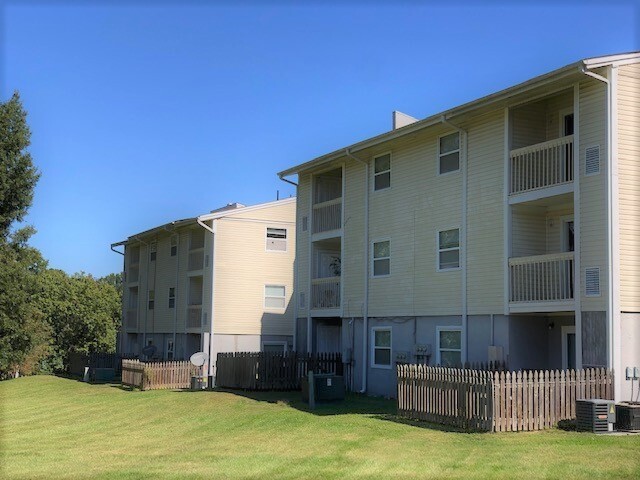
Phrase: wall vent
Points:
(592, 160)
(305, 223)
(592, 281)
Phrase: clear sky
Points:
(147, 112)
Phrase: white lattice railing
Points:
(327, 216)
(132, 319)
(325, 292)
(196, 259)
(542, 165)
(194, 316)
(541, 278)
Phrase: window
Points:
(449, 346)
(449, 249)
(152, 298)
(382, 172)
(174, 245)
(381, 258)
(152, 249)
(274, 347)
(172, 297)
(449, 153)
(381, 345)
(274, 296)
(277, 239)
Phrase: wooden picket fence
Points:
(158, 375)
(497, 401)
(273, 371)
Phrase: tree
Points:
(18, 175)
(23, 334)
(83, 313)
(114, 279)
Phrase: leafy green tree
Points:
(23, 334)
(83, 313)
(114, 279)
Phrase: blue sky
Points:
(147, 112)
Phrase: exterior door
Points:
(328, 339)
(568, 347)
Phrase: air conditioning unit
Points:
(595, 415)
(628, 417)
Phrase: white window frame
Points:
(153, 251)
(172, 297)
(373, 259)
(439, 250)
(283, 344)
(373, 348)
(284, 297)
(452, 328)
(373, 170)
(286, 239)
(440, 154)
(173, 245)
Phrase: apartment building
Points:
(502, 229)
(219, 282)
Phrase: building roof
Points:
(226, 211)
(494, 100)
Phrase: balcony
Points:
(541, 283)
(133, 273)
(131, 321)
(196, 259)
(327, 216)
(543, 165)
(194, 317)
(325, 293)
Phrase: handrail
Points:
(328, 203)
(541, 258)
(320, 281)
(556, 142)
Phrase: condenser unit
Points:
(595, 415)
(628, 417)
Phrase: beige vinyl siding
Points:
(243, 267)
(354, 248)
(282, 211)
(410, 214)
(528, 235)
(165, 277)
(302, 241)
(554, 106)
(555, 217)
(593, 198)
(485, 186)
(528, 125)
(629, 185)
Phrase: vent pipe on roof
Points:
(400, 119)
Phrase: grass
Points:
(58, 428)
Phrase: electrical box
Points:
(327, 387)
(422, 349)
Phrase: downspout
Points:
(212, 269)
(296, 294)
(612, 165)
(365, 311)
(463, 236)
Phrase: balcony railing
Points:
(541, 278)
(132, 320)
(542, 165)
(194, 316)
(325, 292)
(327, 216)
(196, 259)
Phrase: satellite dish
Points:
(149, 350)
(199, 359)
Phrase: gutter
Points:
(613, 333)
(365, 310)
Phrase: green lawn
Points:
(58, 428)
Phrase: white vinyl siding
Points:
(381, 354)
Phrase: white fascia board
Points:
(226, 213)
(619, 59)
